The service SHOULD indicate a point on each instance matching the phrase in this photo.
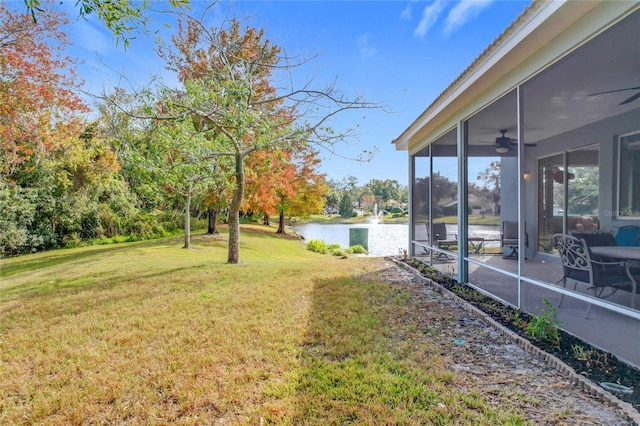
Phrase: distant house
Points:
(549, 115)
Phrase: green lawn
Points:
(150, 333)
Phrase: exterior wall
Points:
(605, 134)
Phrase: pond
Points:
(384, 240)
(387, 239)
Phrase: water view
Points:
(388, 239)
(384, 240)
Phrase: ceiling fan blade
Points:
(614, 91)
(631, 99)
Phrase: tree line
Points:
(234, 136)
(345, 195)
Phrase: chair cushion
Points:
(610, 275)
(596, 238)
(628, 236)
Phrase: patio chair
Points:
(581, 268)
(600, 238)
(440, 237)
(509, 238)
(628, 235)
(596, 238)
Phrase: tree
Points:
(346, 205)
(228, 73)
(285, 182)
(332, 198)
(214, 201)
(491, 177)
(269, 175)
(39, 109)
(179, 165)
(60, 178)
(120, 17)
(583, 190)
(309, 187)
(384, 190)
(131, 140)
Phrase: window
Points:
(629, 173)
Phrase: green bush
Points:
(339, 251)
(317, 246)
(357, 249)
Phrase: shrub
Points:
(338, 251)
(357, 249)
(317, 246)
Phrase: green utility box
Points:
(359, 236)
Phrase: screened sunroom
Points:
(538, 139)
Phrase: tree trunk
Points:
(281, 228)
(187, 220)
(265, 220)
(212, 216)
(234, 212)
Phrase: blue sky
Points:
(400, 53)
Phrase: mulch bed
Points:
(594, 364)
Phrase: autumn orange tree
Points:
(60, 180)
(39, 108)
(40, 123)
(229, 75)
(309, 185)
(269, 173)
(284, 182)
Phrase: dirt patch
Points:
(507, 374)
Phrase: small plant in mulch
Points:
(546, 326)
(591, 357)
(543, 330)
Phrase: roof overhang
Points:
(539, 25)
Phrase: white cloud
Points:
(406, 13)
(89, 36)
(429, 17)
(464, 12)
(366, 50)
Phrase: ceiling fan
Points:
(626, 101)
(504, 143)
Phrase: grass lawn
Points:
(150, 333)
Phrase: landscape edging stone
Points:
(576, 379)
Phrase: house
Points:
(542, 130)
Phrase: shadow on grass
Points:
(86, 292)
(371, 355)
(353, 365)
(37, 261)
